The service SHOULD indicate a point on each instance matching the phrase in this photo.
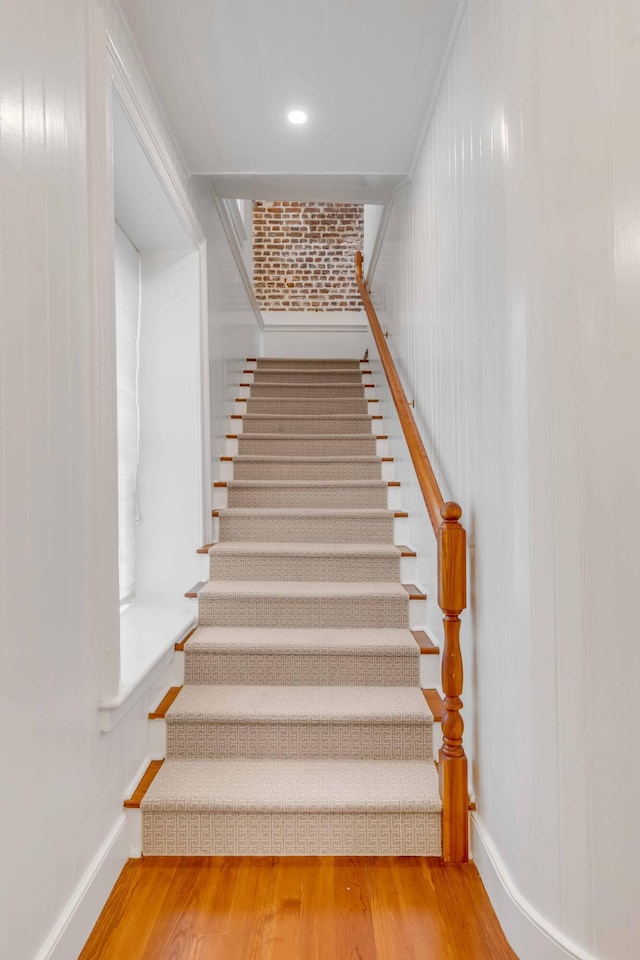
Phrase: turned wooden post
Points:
(452, 599)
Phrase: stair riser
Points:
(200, 740)
(321, 612)
(211, 834)
(306, 390)
(352, 446)
(268, 669)
(289, 470)
(306, 376)
(339, 377)
(333, 569)
(310, 425)
(267, 529)
(366, 498)
(319, 407)
(300, 363)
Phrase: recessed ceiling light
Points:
(297, 116)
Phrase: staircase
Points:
(301, 727)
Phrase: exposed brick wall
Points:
(304, 255)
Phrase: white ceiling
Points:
(228, 72)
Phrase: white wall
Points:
(170, 477)
(63, 780)
(127, 311)
(510, 280)
(372, 217)
(234, 333)
(349, 345)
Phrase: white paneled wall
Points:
(509, 282)
(63, 781)
(234, 333)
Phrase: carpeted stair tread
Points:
(300, 524)
(334, 397)
(266, 388)
(254, 444)
(329, 786)
(303, 656)
(303, 642)
(292, 603)
(298, 560)
(302, 589)
(310, 368)
(286, 423)
(307, 484)
(344, 513)
(347, 437)
(248, 467)
(300, 722)
(315, 493)
(305, 362)
(303, 417)
(330, 375)
(266, 458)
(314, 406)
(305, 549)
(307, 444)
(304, 704)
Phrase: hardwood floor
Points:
(297, 908)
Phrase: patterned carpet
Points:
(301, 728)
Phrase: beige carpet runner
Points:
(301, 728)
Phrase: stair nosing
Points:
(367, 802)
(415, 712)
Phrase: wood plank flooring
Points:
(297, 908)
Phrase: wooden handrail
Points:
(452, 599)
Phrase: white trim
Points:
(154, 146)
(531, 935)
(140, 63)
(343, 187)
(237, 253)
(204, 394)
(104, 588)
(152, 142)
(83, 908)
(231, 206)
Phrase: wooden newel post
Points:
(452, 599)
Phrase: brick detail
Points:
(304, 255)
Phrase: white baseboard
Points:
(531, 936)
(81, 911)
